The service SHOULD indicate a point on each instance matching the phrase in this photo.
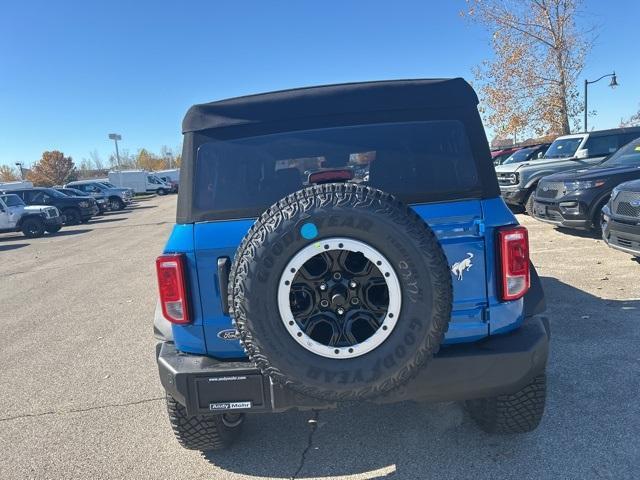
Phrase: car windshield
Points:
(629, 155)
(520, 156)
(54, 193)
(72, 192)
(12, 200)
(563, 148)
(107, 184)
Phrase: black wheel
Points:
(116, 203)
(55, 229)
(161, 191)
(528, 203)
(340, 292)
(519, 412)
(72, 217)
(211, 432)
(32, 228)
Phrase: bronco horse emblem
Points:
(460, 267)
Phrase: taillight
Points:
(513, 245)
(172, 284)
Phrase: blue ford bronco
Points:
(345, 243)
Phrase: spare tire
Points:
(340, 292)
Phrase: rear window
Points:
(417, 161)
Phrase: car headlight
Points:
(83, 204)
(614, 193)
(582, 185)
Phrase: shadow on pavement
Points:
(580, 233)
(65, 232)
(592, 388)
(107, 220)
(141, 207)
(13, 246)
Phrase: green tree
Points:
(53, 169)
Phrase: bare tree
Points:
(96, 160)
(632, 121)
(531, 84)
(7, 174)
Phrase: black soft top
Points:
(330, 100)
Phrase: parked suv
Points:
(408, 279)
(117, 198)
(32, 221)
(575, 199)
(101, 201)
(518, 181)
(74, 210)
(621, 218)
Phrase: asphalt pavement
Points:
(80, 397)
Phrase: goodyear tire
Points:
(340, 292)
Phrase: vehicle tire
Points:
(52, 230)
(519, 412)
(210, 432)
(342, 236)
(598, 217)
(32, 228)
(161, 191)
(72, 216)
(528, 203)
(116, 204)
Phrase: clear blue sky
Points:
(71, 72)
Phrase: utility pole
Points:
(115, 137)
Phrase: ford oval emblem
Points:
(229, 334)
(635, 203)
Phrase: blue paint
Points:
(461, 227)
(308, 231)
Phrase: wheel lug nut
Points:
(324, 303)
(355, 301)
(323, 286)
(353, 284)
(340, 311)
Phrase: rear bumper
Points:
(498, 365)
(622, 236)
(552, 213)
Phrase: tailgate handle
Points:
(224, 267)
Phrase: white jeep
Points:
(32, 220)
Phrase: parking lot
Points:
(80, 396)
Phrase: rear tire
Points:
(32, 228)
(211, 432)
(52, 230)
(519, 412)
(161, 191)
(72, 217)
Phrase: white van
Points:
(172, 173)
(140, 181)
(19, 185)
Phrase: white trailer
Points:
(140, 181)
(19, 185)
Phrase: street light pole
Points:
(612, 84)
(19, 165)
(115, 137)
